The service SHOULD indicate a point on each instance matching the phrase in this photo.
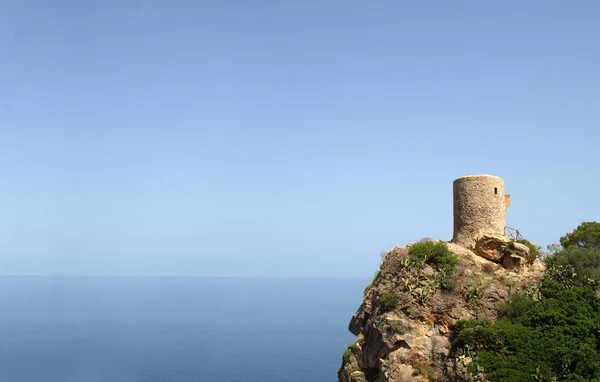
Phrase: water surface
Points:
(129, 329)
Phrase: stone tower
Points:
(479, 208)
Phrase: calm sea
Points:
(128, 329)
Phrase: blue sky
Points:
(284, 138)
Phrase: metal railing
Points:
(513, 233)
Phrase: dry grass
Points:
(490, 267)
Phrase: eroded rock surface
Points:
(412, 341)
(503, 250)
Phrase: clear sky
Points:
(271, 138)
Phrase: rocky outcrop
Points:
(503, 250)
(410, 339)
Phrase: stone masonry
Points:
(479, 208)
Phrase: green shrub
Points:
(517, 306)
(346, 357)
(438, 256)
(388, 302)
(434, 254)
(472, 333)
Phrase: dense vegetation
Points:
(553, 335)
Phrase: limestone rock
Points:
(357, 376)
(428, 271)
(492, 246)
(401, 373)
(522, 250)
(503, 250)
(413, 341)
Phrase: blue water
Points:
(129, 329)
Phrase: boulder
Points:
(492, 246)
(503, 250)
(522, 250)
(515, 255)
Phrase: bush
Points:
(388, 302)
(346, 357)
(438, 256)
(516, 307)
(472, 333)
(434, 254)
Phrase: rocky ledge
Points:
(406, 323)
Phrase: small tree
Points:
(576, 261)
(586, 235)
(575, 266)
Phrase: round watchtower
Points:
(479, 208)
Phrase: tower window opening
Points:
(496, 190)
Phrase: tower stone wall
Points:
(479, 208)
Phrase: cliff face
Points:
(406, 322)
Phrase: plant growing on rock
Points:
(426, 291)
(346, 356)
(434, 254)
(388, 302)
(445, 279)
(473, 291)
(438, 256)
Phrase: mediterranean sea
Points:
(174, 329)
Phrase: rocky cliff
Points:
(406, 323)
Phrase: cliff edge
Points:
(406, 323)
